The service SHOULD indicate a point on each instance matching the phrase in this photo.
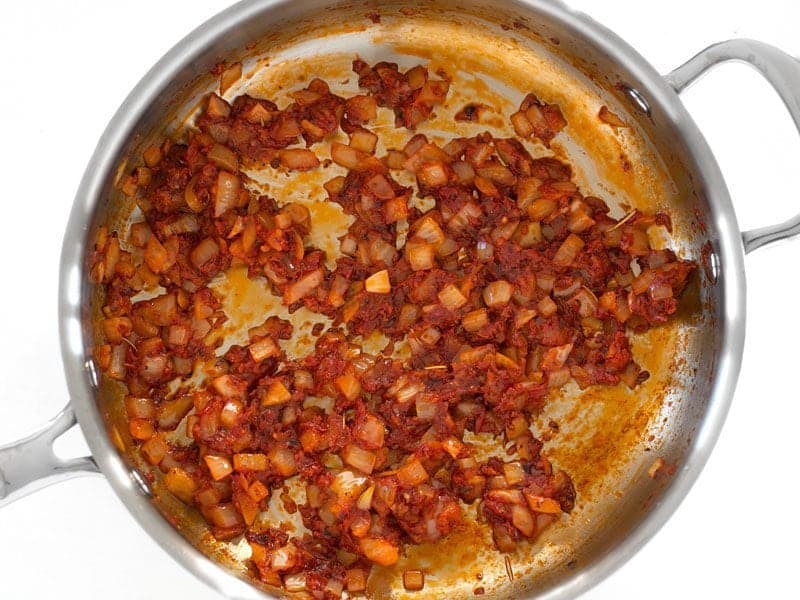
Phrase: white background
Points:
(66, 68)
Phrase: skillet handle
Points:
(30, 464)
(782, 71)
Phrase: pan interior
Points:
(606, 438)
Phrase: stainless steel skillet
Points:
(666, 143)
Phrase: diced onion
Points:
(545, 281)
(190, 196)
(276, 394)
(497, 293)
(527, 191)
(541, 504)
(181, 225)
(284, 559)
(303, 380)
(643, 281)
(568, 251)
(350, 158)
(181, 484)
(378, 283)
(484, 251)
(465, 217)
(141, 429)
(347, 485)
(415, 144)
(448, 247)
(152, 156)
(217, 107)
(565, 287)
(358, 458)
(257, 491)
(227, 196)
(230, 413)
(395, 159)
(660, 292)
(514, 473)
(453, 447)
(579, 222)
(299, 159)
(504, 231)
(451, 297)
(464, 171)
(250, 462)
(475, 320)
(412, 473)
(639, 243)
(140, 408)
(523, 520)
(219, 466)
(262, 349)
(230, 76)
(522, 125)
(555, 357)
(559, 377)
(230, 386)
(303, 287)
(356, 580)
(380, 551)
(426, 408)
(171, 412)
(380, 187)
(382, 251)
(506, 496)
(413, 580)
(547, 307)
(420, 256)
(497, 173)
(155, 449)
(224, 515)
(282, 460)
(224, 158)
(541, 209)
(156, 256)
(362, 108)
(395, 209)
(204, 252)
(334, 588)
(427, 230)
(587, 302)
(430, 336)
(365, 499)
(528, 234)
(294, 583)
(432, 174)
(371, 432)
(363, 141)
(348, 385)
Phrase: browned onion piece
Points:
(205, 251)
(303, 287)
(224, 158)
(227, 196)
(229, 76)
(299, 159)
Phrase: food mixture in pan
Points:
(491, 282)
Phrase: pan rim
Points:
(73, 294)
